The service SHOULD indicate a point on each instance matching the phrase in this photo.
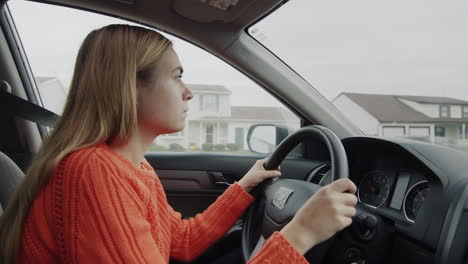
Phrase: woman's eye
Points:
(179, 78)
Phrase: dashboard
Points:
(390, 180)
(417, 191)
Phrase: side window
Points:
(225, 103)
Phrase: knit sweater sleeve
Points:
(190, 237)
(278, 250)
(110, 224)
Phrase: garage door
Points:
(393, 131)
(419, 131)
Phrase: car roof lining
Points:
(202, 12)
(181, 18)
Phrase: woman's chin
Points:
(176, 129)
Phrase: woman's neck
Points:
(134, 148)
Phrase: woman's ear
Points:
(141, 85)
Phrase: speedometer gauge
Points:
(373, 189)
(414, 199)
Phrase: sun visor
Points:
(221, 4)
(206, 11)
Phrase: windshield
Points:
(394, 68)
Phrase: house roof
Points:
(388, 108)
(257, 113)
(433, 99)
(208, 87)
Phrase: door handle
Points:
(218, 179)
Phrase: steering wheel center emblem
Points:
(281, 197)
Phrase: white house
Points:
(212, 119)
(432, 118)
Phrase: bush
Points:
(233, 147)
(176, 147)
(219, 147)
(207, 147)
(157, 148)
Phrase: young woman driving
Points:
(91, 197)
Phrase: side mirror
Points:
(264, 138)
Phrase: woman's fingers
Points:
(346, 221)
(344, 185)
(348, 211)
(270, 174)
(257, 174)
(262, 162)
(347, 199)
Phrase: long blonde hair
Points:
(101, 104)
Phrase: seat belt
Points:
(23, 108)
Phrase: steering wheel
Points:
(278, 201)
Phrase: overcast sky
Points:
(417, 47)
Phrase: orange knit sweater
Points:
(100, 208)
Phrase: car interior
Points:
(413, 196)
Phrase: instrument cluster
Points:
(402, 191)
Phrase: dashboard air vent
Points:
(317, 178)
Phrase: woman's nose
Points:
(188, 93)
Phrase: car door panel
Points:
(192, 181)
(188, 192)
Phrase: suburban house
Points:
(434, 119)
(211, 119)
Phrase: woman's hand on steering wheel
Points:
(325, 213)
(256, 175)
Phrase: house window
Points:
(465, 111)
(444, 111)
(209, 133)
(440, 131)
(209, 103)
(466, 131)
